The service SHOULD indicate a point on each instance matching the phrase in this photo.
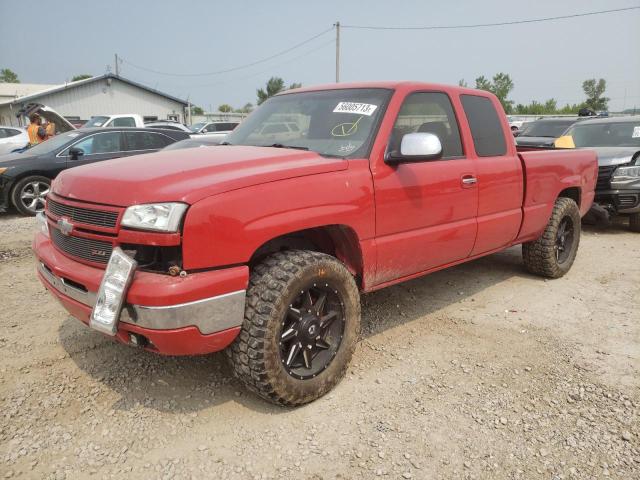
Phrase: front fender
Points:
(226, 229)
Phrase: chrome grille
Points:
(604, 177)
(100, 218)
(91, 250)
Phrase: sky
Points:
(545, 60)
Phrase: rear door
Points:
(498, 173)
(96, 147)
(137, 142)
(425, 211)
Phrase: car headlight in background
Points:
(42, 224)
(627, 172)
(112, 292)
(163, 217)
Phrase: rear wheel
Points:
(29, 194)
(302, 320)
(634, 222)
(552, 254)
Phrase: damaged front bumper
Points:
(197, 314)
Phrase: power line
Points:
(277, 65)
(497, 24)
(233, 69)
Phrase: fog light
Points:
(41, 222)
(112, 292)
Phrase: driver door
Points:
(425, 211)
(96, 147)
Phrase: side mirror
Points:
(75, 153)
(416, 147)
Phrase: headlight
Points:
(41, 222)
(112, 292)
(627, 172)
(163, 217)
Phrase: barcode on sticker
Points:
(352, 107)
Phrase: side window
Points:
(429, 112)
(4, 132)
(123, 122)
(108, 142)
(210, 128)
(146, 141)
(485, 126)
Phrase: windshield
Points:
(197, 126)
(95, 122)
(622, 134)
(339, 123)
(53, 143)
(545, 129)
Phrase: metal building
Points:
(104, 95)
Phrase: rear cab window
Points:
(484, 122)
(122, 122)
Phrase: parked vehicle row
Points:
(261, 245)
(25, 178)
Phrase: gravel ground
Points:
(480, 371)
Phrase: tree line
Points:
(501, 85)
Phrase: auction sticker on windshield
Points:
(352, 107)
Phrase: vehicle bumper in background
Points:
(197, 314)
(619, 201)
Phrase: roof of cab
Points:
(389, 85)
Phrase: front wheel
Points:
(302, 320)
(30, 193)
(553, 253)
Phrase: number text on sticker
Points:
(358, 108)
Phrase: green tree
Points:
(225, 108)
(463, 83)
(594, 90)
(82, 76)
(248, 107)
(501, 85)
(8, 76)
(197, 110)
(274, 86)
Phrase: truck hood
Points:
(187, 175)
(608, 156)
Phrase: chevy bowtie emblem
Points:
(65, 226)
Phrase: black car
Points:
(25, 177)
(543, 132)
(195, 141)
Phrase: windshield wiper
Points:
(280, 145)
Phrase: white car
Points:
(221, 129)
(121, 120)
(12, 138)
(168, 125)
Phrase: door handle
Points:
(469, 180)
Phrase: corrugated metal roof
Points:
(58, 88)
(23, 89)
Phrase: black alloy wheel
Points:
(312, 331)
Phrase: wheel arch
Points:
(340, 241)
(574, 193)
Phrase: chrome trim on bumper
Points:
(83, 296)
(209, 315)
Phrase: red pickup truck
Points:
(262, 245)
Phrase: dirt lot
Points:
(480, 371)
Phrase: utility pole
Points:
(337, 25)
(117, 69)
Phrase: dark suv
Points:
(617, 143)
(25, 177)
